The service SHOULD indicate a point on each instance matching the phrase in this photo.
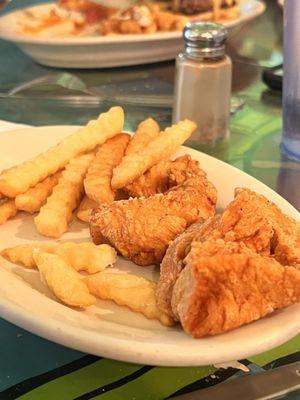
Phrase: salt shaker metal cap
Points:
(204, 39)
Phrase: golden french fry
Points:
(85, 208)
(20, 178)
(7, 210)
(145, 133)
(131, 291)
(80, 256)
(23, 254)
(98, 178)
(55, 215)
(35, 197)
(134, 165)
(63, 280)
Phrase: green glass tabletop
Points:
(33, 368)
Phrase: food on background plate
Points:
(134, 292)
(135, 164)
(55, 215)
(97, 183)
(85, 18)
(141, 229)
(35, 197)
(218, 272)
(63, 280)
(80, 256)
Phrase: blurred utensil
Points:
(78, 92)
(64, 80)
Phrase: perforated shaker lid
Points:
(205, 39)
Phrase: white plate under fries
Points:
(106, 51)
(106, 329)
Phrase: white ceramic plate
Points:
(106, 51)
(108, 330)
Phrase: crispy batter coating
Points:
(172, 264)
(34, 198)
(80, 256)
(20, 178)
(163, 176)
(135, 164)
(63, 280)
(98, 178)
(141, 229)
(262, 226)
(55, 215)
(145, 133)
(128, 290)
(8, 210)
(217, 293)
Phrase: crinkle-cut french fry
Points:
(63, 280)
(23, 253)
(145, 133)
(132, 291)
(163, 146)
(80, 256)
(54, 216)
(20, 178)
(7, 210)
(35, 197)
(85, 208)
(98, 178)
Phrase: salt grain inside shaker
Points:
(203, 82)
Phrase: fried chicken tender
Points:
(55, 215)
(134, 292)
(141, 229)
(146, 131)
(134, 165)
(20, 178)
(35, 197)
(8, 210)
(262, 226)
(217, 293)
(172, 264)
(163, 176)
(98, 178)
(63, 280)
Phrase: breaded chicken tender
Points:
(141, 229)
(262, 226)
(217, 293)
(163, 176)
(172, 264)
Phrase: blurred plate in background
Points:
(106, 51)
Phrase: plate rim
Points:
(123, 347)
(115, 39)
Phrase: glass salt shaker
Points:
(203, 82)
